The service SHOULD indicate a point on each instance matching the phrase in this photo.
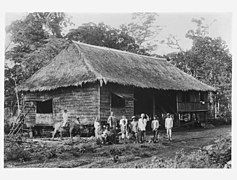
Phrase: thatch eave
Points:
(51, 88)
(101, 82)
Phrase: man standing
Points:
(123, 127)
(142, 127)
(134, 128)
(169, 126)
(154, 126)
(112, 121)
(65, 118)
(97, 127)
(123, 120)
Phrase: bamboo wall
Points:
(79, 101)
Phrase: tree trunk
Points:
(18, 103)
(17, 98)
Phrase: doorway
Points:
(143, 102)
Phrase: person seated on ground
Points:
(154, 126)
(112, 136)
(105, 134)
(65, 119)
(134, 128)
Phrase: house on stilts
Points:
(91, 81)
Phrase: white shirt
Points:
(96, 125)
(168, 123)
(134, 126)
(65, 117)
(155, 124)
(142, 124)
(121, 122)
(123, 128)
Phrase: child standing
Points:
(154, 126)
(123, 128)
(134, 128)
(169, 126)
(142, 122)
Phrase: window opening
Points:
(116, 101)
(44, 107)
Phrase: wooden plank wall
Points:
(79, 101)
(105, 107)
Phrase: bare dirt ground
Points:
(85, 153)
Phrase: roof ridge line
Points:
(112, 49)
(90, 67)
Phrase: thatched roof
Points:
(82, 63)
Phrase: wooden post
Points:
(110, 102)
(176, 118)
(153, 104)
(205, 116)
(99, 103)
(177, 106)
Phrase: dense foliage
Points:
(208, 60)
(34, 41)
(105, 36)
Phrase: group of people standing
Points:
(136, 128)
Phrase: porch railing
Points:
(192, 107)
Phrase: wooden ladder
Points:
(19, 121)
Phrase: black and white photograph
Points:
(133, 90)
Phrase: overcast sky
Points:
(173, 23)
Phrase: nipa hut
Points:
(91, 81)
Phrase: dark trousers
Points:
(135, 136)
(141, 136)
(155, 135)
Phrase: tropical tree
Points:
(33, 42)
(209, 60)
(144, 29)
(106, 36)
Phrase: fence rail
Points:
(193, 106)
